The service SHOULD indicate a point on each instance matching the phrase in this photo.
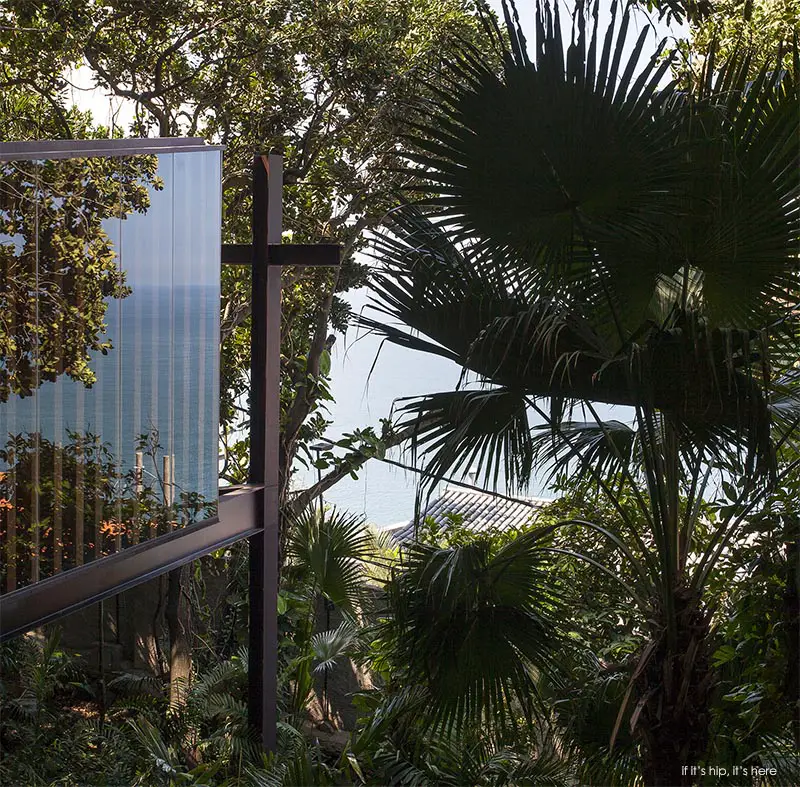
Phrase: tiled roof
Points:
(480, 510)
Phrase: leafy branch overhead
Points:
(328, 84)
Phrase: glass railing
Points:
(109, 351)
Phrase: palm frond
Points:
(600, 236)
(130, 683)
(779, 751)
(219, 704)
(328, 646)
(487, 429)
(476, 629)
(592, 167)
(303, 766)
(607, 448)
(331, 549)
(163, 756)
(220, 676)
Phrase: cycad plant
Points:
(600, 234)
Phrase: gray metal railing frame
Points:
(41, 150)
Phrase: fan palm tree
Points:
(468, 632)
(599, 236)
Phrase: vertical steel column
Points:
(264, 446)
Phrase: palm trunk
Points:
(671, 716)
(791, 619)
(674, 692)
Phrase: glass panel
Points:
(196, 308)
(109, 371)
(19, 362)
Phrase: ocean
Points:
(368, 379)
(162, 374)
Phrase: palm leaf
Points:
(476, 629)
(597, 235)
(328, 646)
(459, 429)
(607, 448)
(331, 550)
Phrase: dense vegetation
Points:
(461, 614)
(580, 230)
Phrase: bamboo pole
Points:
(58, 504)
(174, 522)
(11, 571)
(35, 513)
(167, 481)
(98, 503)
(118, 506)
(79, 504)
(138, 473)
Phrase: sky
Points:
(107, 109)
(640, 20)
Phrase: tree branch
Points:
(353, 461)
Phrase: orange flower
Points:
(4, 503)
(110, 528)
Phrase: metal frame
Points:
(311, 254)
(77, 148)
(63, 594)
(250, 511)
(265, 349)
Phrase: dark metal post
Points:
(264, 447)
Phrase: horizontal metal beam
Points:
(308, 255)
(57, 596)
(79, 148)
(237, 254)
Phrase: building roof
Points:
(480, 510)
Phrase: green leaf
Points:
(325, 363)
(723, 655)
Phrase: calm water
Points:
(161, 374)
(383, 493)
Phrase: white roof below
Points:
(480, 511)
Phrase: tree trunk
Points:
(178, 614)
(791, 619)
(674, 692)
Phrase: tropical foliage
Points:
(582, 232)
(58, 263)
(602, 235)
(760, 25)
(64, 505)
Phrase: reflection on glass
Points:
(109, 320)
